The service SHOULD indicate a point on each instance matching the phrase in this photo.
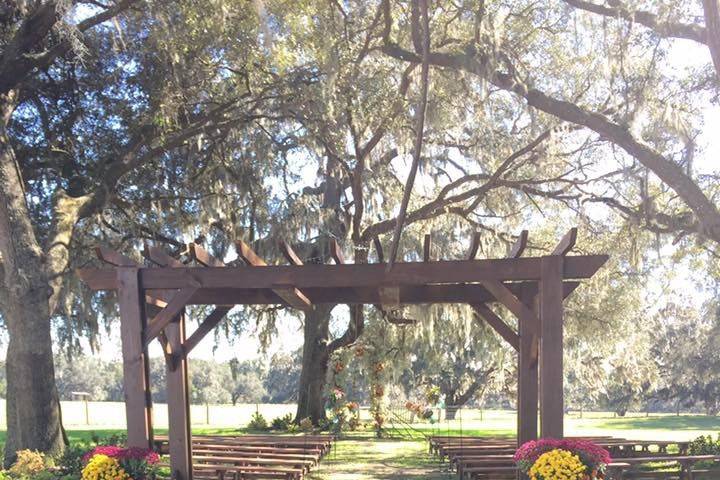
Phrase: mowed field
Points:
(404, 455)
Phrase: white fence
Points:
(112, 414)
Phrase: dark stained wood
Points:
(427, 246)
(205, 327)
(293, 297)
(174, 308)
(474, 246)
(519, 246)
(361, 275)
(289, 253)
(180, 443)
(287, 291)
(136, 382)
(114, 258)
(389, 297)
(159, 257)
(248, 255)
(416, 294)
(551, 347)
(400, 320)
(203, 257)
(528, 330)
(567, 243)
(336, 252)
(505, 296)
(379, 250)
(497, 324)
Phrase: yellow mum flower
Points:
(557, 465)
(102, 467)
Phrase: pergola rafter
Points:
(531, 288)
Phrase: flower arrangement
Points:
(561, 459)
(110, 462)
(558, 465)
(102, 467)
(337, 394)
(352, 406)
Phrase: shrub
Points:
(704, 445)
(282, 423)
(71, 461)
(258, 422)
(306, 425)
(29, 463)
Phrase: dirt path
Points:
(369, 458)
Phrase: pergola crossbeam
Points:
(289, 254)
(427, 247)
(289, 293)
(497, 324)
(519, 246)
(336, 252)
(203, 257)
(474, 246)
(567, 243)
(168, 314)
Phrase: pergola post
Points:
(551, 347)
(136, 369)
(180, 436)
(527, 402)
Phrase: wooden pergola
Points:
(152, 301)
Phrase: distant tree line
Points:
(211, 382)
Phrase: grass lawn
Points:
(358, 455)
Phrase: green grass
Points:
(358, 455)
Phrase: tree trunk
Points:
(316, 355)
(33, 414)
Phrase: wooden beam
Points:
(389, 298)
(566, 243)
(497, 324)
(293, 297)
(351, 275)
(159, 257)
(174, 308)
(519, 246)
(474, 246)
(136, 381)
(427, 245)
(114, 258)
(203, 257)
(551, 348)
(289, 293)
(336, 252)
(205, 327)
(401, 321)
(248, 255)
(379, 250)
(528, 330)
(289, 253)
(505, 296)
(179, 434)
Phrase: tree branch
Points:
(664, 28)
(668, 171)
